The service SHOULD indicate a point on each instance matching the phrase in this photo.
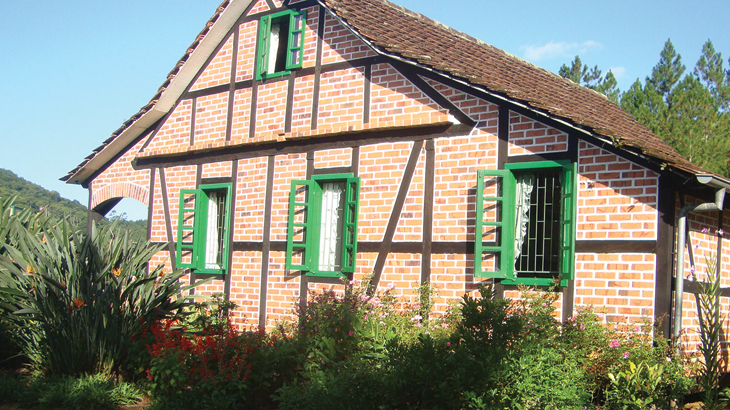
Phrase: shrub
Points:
(73, 300)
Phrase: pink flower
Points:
(720, 232)
(390, 286)
(444, 325)
(448, 344)
(626, 355)
(416, 318)
(350, 333)
(352, 282)
(614, 343)
(704, 230)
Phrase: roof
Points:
(414, 38)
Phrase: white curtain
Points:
(273, 47)
(331, 226)
(211, 237)
(525, 185)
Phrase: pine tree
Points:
(710, 70)
(592, 78)
(667, 73)
(696, 127)
(646, 105)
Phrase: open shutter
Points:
(300, 234)
(295, 51)
(494, 231)
(352, 206)
(568, 223)
(263, 56)
(187, 226)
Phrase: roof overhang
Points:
(169, 96)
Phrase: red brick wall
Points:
(616, 198)
(527, 136)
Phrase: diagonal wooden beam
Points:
(400, 200)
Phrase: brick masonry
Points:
(617, 199)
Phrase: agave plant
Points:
(74, 299)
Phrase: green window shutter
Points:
(262, 60)
(300, 237)
(494, 230)
(295, 44)
(352, 206)
(568, 223)
(187, 227)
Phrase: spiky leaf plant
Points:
(75, 299)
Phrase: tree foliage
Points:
(592, 78)
(688, 110)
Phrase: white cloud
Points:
(558, 49)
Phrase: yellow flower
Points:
(78, 302)
(29, 269)
(116, 272)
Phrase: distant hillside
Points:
(32, 196)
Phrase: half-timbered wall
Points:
(417, 143)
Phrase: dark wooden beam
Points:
(168, 221)
(427, 214)
(615, 246)
(317, 69)
(664, 274)
(290, 89)
(232, 85)
(266, 245)
(366, 94)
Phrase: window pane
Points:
(540, 230)
(297, 22)
(215, 230)
(332, 218)
(278, 39)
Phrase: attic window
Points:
(281, 43)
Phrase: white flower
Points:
(416, 318)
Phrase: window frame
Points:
(262, 61)
(197, 244)
(310, 225)
(505, 247)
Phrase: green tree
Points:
(696, 127)
(592, 78)
(646, 105)
(716, 79)
(667, 73)
(689, 112)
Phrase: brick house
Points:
(299, 142)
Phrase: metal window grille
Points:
(540, 256)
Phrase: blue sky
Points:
(72, 72)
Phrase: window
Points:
(525, 223)
(203, 226)
(281, 43)
(322, 231)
